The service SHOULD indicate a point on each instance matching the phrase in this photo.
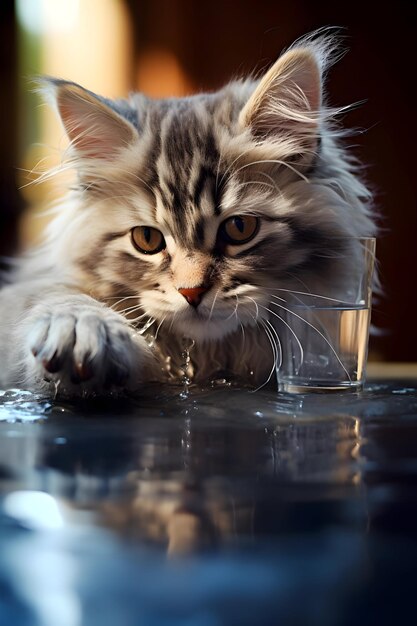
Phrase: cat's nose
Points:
(193, 295)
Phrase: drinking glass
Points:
(324, 337)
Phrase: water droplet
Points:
(145, 327)
(186, 367)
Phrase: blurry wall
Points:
(173, 47)
(11, 203)
(86, 41)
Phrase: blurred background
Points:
(178, 47)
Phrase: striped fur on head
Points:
(268, 148)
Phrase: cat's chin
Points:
(202, 330)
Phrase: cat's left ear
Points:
(94, 128)
(287, 101)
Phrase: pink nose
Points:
(193, 295)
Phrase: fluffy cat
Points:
(189, 217)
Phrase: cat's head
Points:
(204, 207)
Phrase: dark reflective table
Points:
(222, 507)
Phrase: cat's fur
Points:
(265, 147)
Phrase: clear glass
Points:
(324, 338)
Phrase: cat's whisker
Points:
(256, 305)
(273, 182)
(118, 296)
(255, 182)
(213, 303)
(273, 295)
(272, 185)
(123, 299)
(229, 168)
(134, 322)
(123, 199)
(45, 176)
(274, 356)
(158, 328)
(137, 318)
(316, 330)
(115, 197)
(292, 331)
(147, 325)
(115, 305)
(303, 293)
(279, 345)
(126, 183)
(236, 308)
(298, 279)
(132, 309)
(172, 321)
(278, 162)
(234, 312)
(34, 170)
(136, 177)
(129, 309)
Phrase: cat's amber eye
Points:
(148, 240)
(239, 229)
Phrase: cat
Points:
(189, 218)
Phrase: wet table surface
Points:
(221, 507)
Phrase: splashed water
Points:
(23, 406)
(146, 326)
(186, 367)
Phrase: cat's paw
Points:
(82, 346)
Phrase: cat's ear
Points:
(287, 101)
(94, 128)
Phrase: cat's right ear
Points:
(94, 128)
(286, 103)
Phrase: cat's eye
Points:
(239, 229)
(147, 240)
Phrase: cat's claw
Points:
(84, 347)
(83, 370)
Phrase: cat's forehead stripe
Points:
(183, 164)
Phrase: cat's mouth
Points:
(211, 320)
(205, 323)
(198, 316)
(205, 314)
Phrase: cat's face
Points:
(196, 212)
(208, 258)
(205, 273)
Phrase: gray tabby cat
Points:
(190, 218)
